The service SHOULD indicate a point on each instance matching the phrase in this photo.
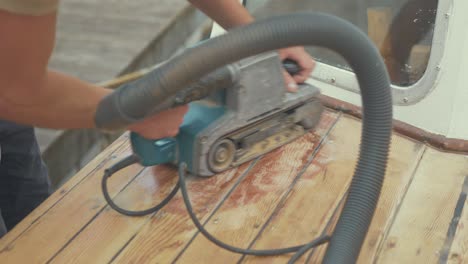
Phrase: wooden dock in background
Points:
(100, 40)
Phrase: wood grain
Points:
(101, 160)
(110, 230)
(327, 182)
(316, 194)
(74, 211)
(243, 214)
(166, 234)
(420, 228)
(404, 159)
(419, 219)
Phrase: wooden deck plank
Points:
(327, 180)
(95, 166)
(403, 162)
(74, 211)
(420, 228)
(166, 234)
(240, 217)
(88, 247)
(109, 231)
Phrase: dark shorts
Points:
(24, 182)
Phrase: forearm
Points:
(227, 13)
(60, 101)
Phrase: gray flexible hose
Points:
(134, 102)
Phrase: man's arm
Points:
(227, 13)
(33, 95)
(231, 13)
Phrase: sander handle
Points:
(291, 66)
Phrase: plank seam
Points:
(286, 195)
(392, 217)
(126, 244)
(99, 166)
(398, 207)
(457, 212)
(92, 219)
(329, 222)
(220, 203)
(114, 257)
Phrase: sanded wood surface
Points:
(255, 199)
(419, 233)
(284, 198)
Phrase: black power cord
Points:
(132, 159)
(125, 162)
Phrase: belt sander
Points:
(236, 114)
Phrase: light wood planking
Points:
(166, 234)
(326, 181)
(420, 228)
(247, 209)
(425, 223)
(103, 159)
(110, 230)
(403, 162)
(176, 227)
(315, 196)
(42, 240)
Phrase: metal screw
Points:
(221, 155)
(447, 15)
(333, 80)
(438, 68)
(405, 100)
(179, 100)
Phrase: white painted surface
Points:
(445, 110)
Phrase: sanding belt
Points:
(29, 7)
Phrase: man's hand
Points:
(230, 14)
(162, 125)
(304, 60)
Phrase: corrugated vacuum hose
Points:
(145, 96)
